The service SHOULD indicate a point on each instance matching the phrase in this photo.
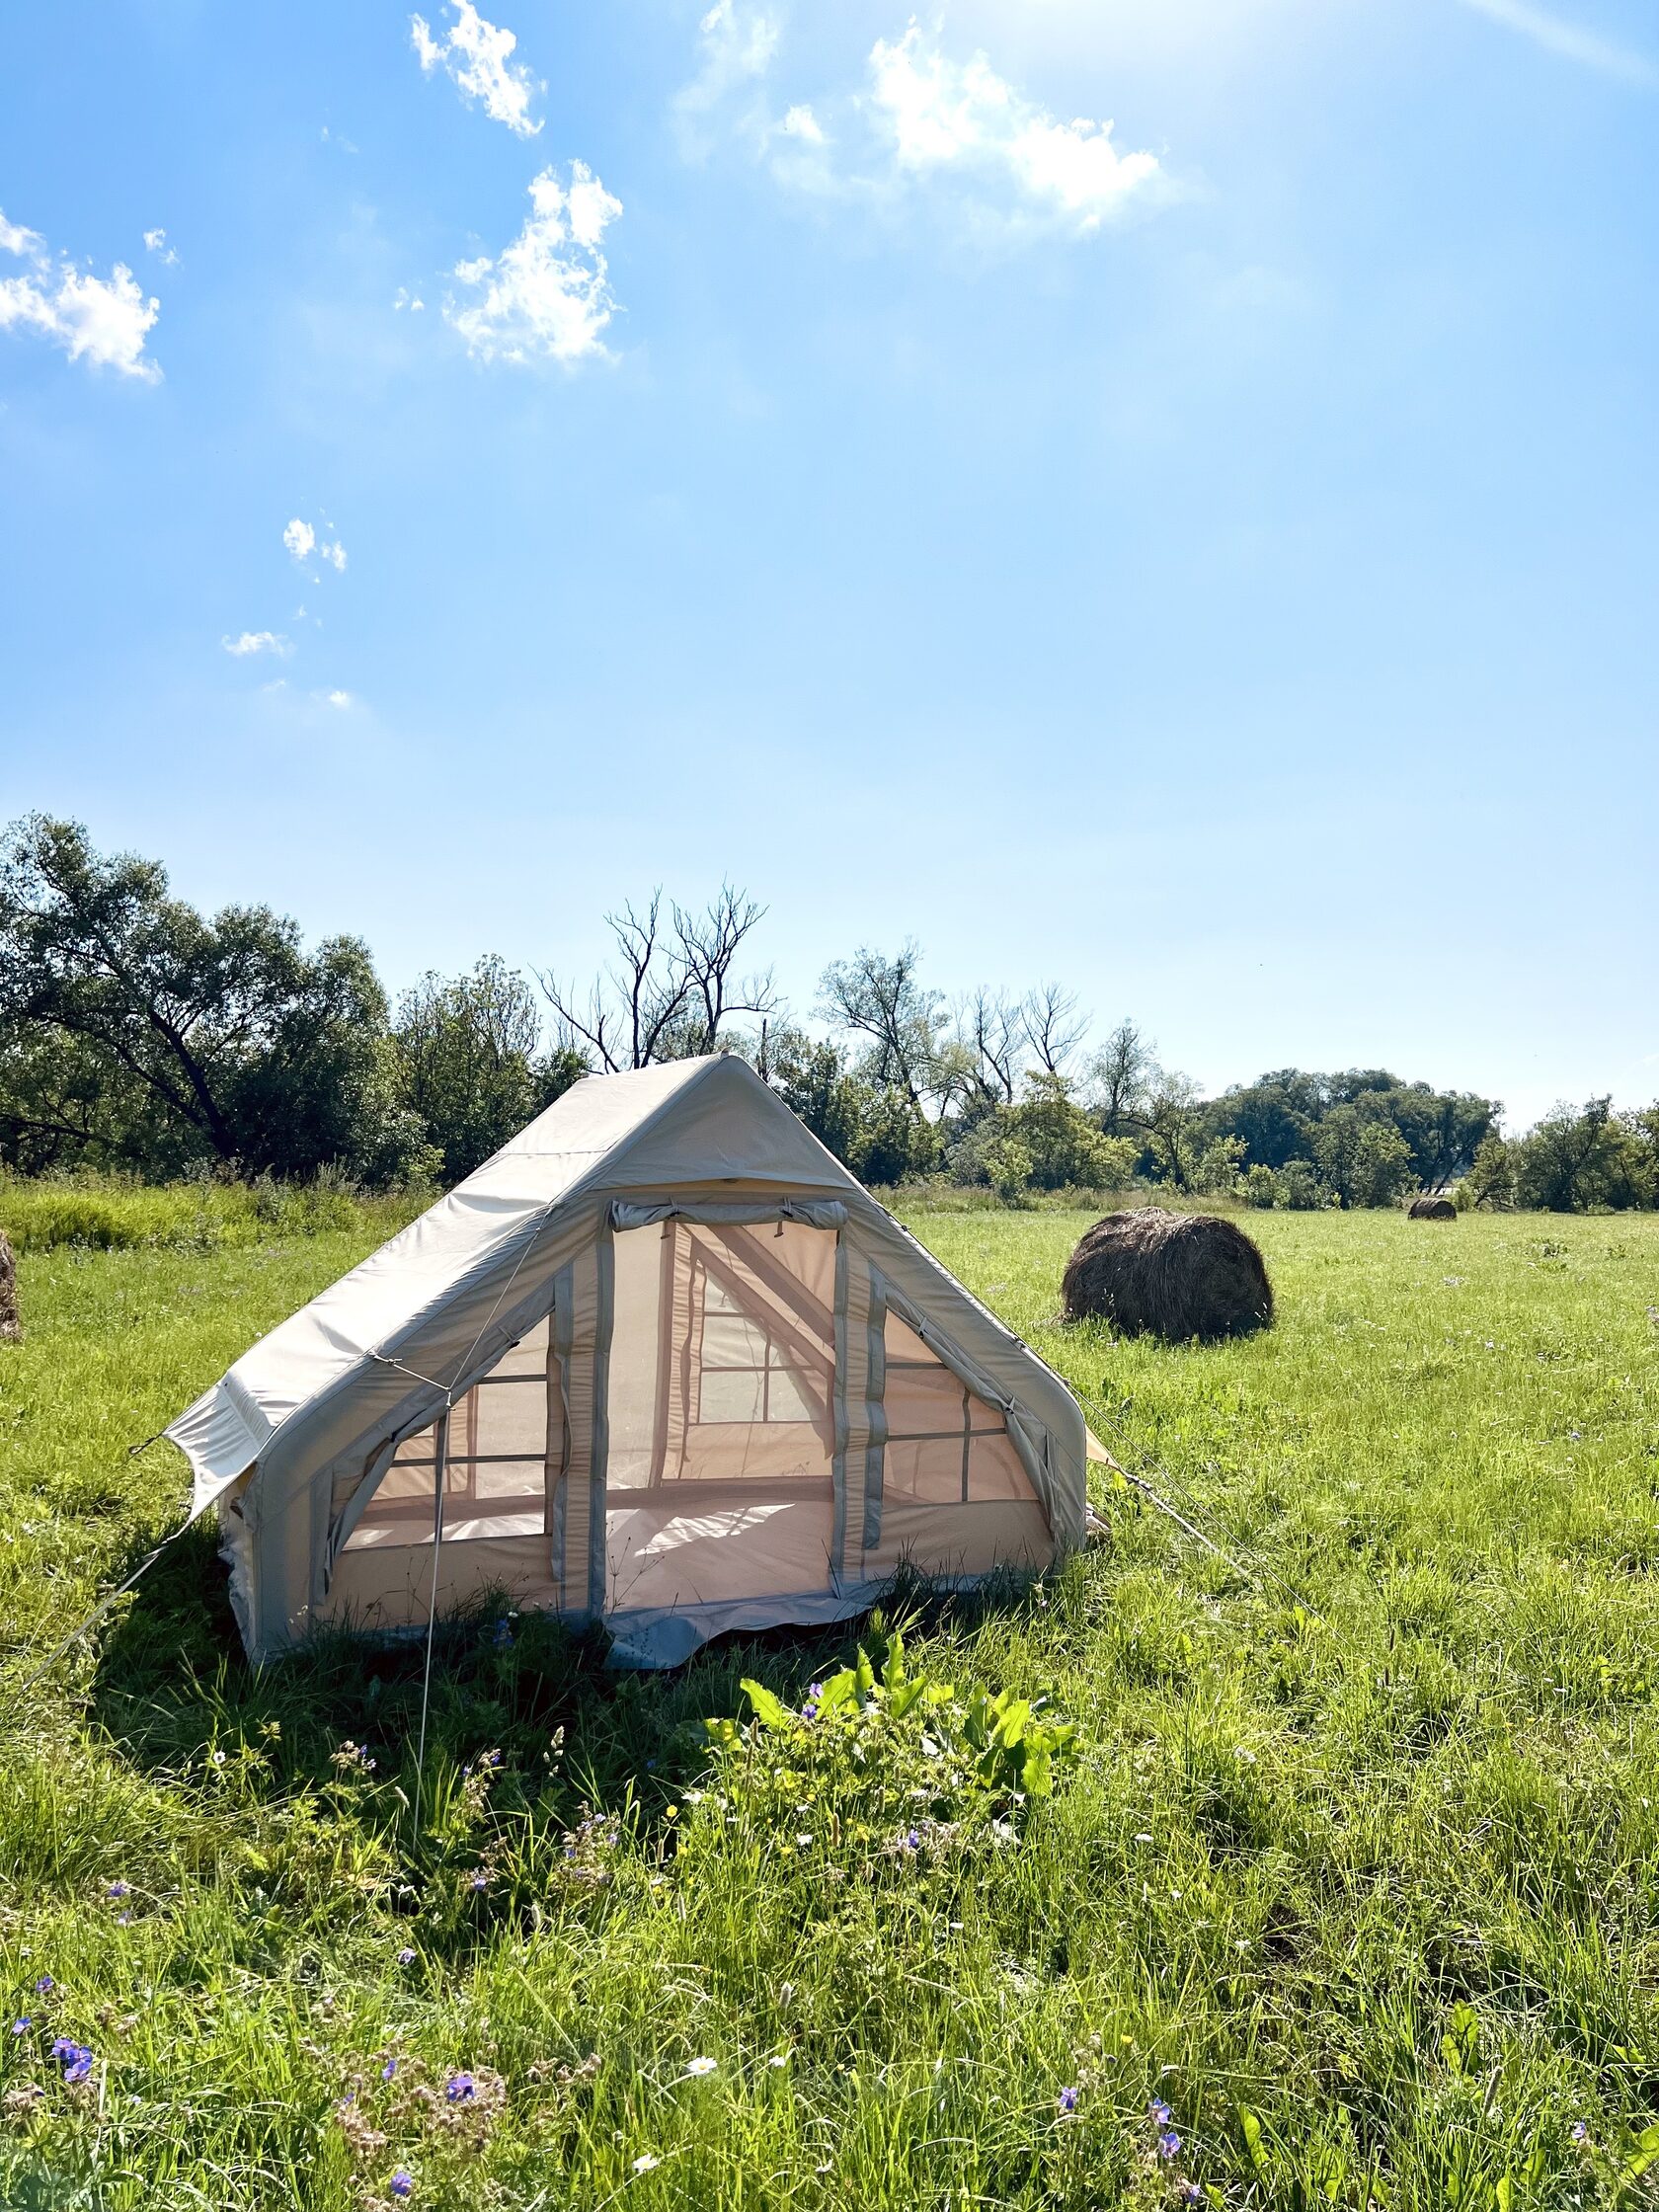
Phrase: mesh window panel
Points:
(496, 1469)
(945, 1445)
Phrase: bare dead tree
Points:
(637, 1007)
(1054, 1025)
(993, 1027)
(707, 948)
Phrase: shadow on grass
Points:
(173, 1687)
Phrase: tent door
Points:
(721, 1410)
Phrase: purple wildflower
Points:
(388, 2070)
(913, 1841)
(402, 2182)
(44, 1986)
(22, 2026)
(460, 2089)
(118, 1889)
(405, 1956)
(1578, 2131)
(74, 2058)
(503, 1637)
(1068, 2100)
(480, 1881)
(1169, 2144)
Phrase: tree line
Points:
(140, 1036)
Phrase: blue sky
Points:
(1212, 565)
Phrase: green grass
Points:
(1359, 1870)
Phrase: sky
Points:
(1156, 495)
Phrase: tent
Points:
(661, 1363)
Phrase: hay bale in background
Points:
(1429, 1206)
(10, 1325)
(1170, 1275)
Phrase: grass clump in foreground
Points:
(1346, 1889)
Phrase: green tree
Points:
(1490, 1180)
(469, 1062)
(177, 1038)
(1567, 1163)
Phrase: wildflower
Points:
(460, 2089)
(644, 2163)
(402, 2182)
(74, 2058)
(388, 2070)
(778, 2061)
(1192, 2194)
(405, 1956)
(218, 1759)
(699, 2066)
(1159, 2112)
(912, 1840)
(1169, 2144)
(124, 1919)
(1068, 2100)
(809, 1712)
(503, 1637)
(118, 1889)
(480, 1881)
(22, 2026)
(1578, 2131)
(44, 1986)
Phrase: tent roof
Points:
(702, 1121)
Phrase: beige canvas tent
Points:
(662, 1363)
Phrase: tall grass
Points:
(1359, 1874)
(106, 1214)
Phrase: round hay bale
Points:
(1429, 1206)
(1170, 1275)
(10, 1325)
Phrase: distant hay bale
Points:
(1429, 1206)
(1170, 1275)
(11, 1327)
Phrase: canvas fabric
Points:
(675, 1370)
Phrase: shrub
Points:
(1261, 1186)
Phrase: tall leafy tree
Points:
(470, 1064)
(152, 1035)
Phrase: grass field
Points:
(1357, 1871)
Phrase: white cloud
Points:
(404, 299)
(29, 244)
(800, 122)
(341, 699)
(478, 56)
(937, 114)
(547, 296)
(1568, 39)
(101, 319)
(258, 641)
(922, 119)
(302, 541)
(737, 45)
(156, 241)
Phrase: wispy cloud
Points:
(1569, 40)
(104, 320)
(960, 118)
(155, 242)
(547, 296)
(736, 43)
(258, 641)
(302, 541)
(478, 58)
(923, 120)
